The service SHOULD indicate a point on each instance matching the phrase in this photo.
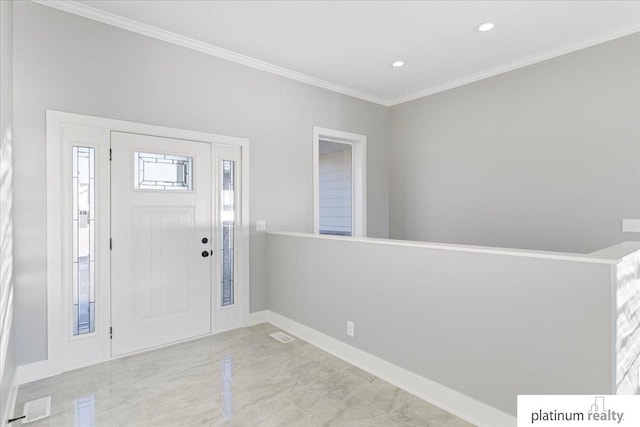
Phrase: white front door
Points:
(162, 242)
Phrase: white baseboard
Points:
(443, 397)
(34, 371)
(11, 401)
(258, 317)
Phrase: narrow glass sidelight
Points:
(227, 216)
(83, 238)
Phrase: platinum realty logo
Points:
(596, 412)
(572, 410)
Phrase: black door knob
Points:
(205, 254)
(205, 240)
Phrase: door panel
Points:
(161, 270)
(159, 234)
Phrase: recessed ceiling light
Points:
(397, 64)
(487, 26)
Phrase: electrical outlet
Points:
(261, 225)
(351, 329)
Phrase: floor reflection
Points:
(227, 392)
(84, 411)
(242, 377)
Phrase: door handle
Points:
(205, 254)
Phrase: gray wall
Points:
(64, 62)
(545, 157)
(489, 326)
(8, 369)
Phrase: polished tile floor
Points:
(238, 378)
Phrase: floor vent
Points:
(282, 337)
(38, 409)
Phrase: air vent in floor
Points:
(38, 409)
(282, 337)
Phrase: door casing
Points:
(56, 122)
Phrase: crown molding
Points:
(533, 59)
(89, 12)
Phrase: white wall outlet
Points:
(631, 225)
(351, 329)
(261, 225)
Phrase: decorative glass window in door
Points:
(227, 216)
(162, 172)
(83, 240)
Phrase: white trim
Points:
(177, 39)
(95, 345)
(10, 402)
(448, 399)
(54, 122)
(95, 14)
(6, 328)
(257, 317)
(359, 144)
(245, 235)
(54, 255)
(613, 324)
(452, 247)
(521, 63)
(227, 317)
(143, 128)
(35, 371)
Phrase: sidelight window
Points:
(83, 229)
(228, 217)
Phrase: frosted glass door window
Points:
(83, 240)
(335, 188)
(227, 214)
(162, 172)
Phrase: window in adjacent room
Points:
(339, 177)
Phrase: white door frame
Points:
(55, 121)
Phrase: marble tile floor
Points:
(238, 378)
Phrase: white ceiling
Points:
(348, 46)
